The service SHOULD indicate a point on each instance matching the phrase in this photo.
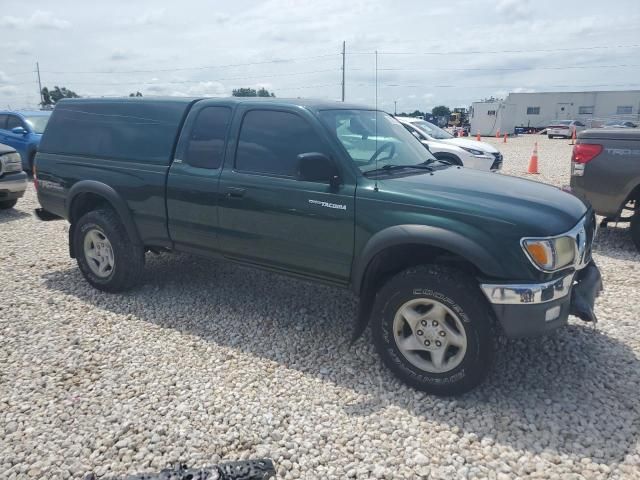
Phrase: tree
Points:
(137, 94)
(263, 92)
(251, 92)
(441, 111)
(51, 97)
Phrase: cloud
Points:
(8, 89)
(38, 19)
(119, 55)
(150, 17)
(514, 8)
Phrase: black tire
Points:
(7, 204)
(549, 137)
(635, 227)
(459, 294)
(128, 264)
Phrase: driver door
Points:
(267, 217)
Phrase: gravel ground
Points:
(209, 361)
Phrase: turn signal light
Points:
(585, 152)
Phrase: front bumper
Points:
(526, 310)
(13, 185)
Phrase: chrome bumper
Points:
(529, 293)
(13, 186)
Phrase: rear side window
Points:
(3, 121)
(14, 121)
(143, 132)
(205, 148)
(270, 141)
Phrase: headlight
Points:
(550, 254)
(11, 162)
(473, 151)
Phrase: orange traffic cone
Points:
(533, 161)
(505, 138)
(573, 137)
(478, 135)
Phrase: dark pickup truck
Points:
(442, 258)
(605, 171)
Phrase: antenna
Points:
(375, 123)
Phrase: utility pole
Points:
(39, 85)
(343, 62)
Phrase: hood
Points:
(6, 149)
(463, 142)
(525, 207)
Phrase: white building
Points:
(538, 110)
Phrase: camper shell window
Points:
(142, 131)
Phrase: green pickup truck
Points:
(443, 259)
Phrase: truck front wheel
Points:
(106, 256)
(433, 329)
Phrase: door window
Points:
(14, 121)
(3, 122)
(207, 140)
(270, 141)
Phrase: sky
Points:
(429, 53)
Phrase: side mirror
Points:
(19, 131)
(317, 167)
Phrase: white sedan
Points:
(457, 150)
(565, 128)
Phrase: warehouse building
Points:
(540, 109)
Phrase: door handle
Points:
(234, 192)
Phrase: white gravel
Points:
(208, 361)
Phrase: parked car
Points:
(442, 258)
(13, 181)
(22, 131)
(619, 124)
(456, 150)
(565, 128)
(605, 171)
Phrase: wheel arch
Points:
(437, 239)
(396, 248)
(88, 195)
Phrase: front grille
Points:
(497, 163)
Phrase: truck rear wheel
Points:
(107, 258)
(433, 329)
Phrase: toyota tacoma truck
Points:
(443, 259)
(605, 171)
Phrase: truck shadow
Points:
(11, 215)
(615, 242)
(565, 393)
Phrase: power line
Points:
(476, 52)
(202, 67)
(362, 84)
(568, 67)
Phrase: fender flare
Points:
(112, 197)
(428, 236)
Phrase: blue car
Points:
(22, 131)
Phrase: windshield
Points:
(38, 122)
(372, 146)
(431, 130)
(563, 122)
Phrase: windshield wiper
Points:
(392, 166)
